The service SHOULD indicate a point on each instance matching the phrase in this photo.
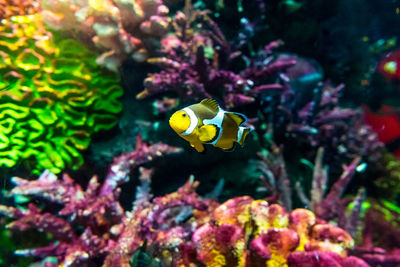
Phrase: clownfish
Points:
(207, 123)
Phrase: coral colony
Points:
(56, 96)
(329, 187)
(118, 29)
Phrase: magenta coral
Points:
(196, 64)
(276, 238)
(178, 229)
(95, 209)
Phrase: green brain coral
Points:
(53, 96)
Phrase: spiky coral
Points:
(311, 118)
(54, 97)
(358, 217)
(175, 229)
(179, 229)
(197, 63)
(119, 29)
(96, 210)
(166, 225)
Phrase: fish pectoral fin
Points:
(207, 133)
(198, 146)
(237, 117)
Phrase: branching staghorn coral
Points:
(360, 217)
(95, 210)
(178, 229)
(118, 29)
(54, 97)
(311, 118)
(197, 63)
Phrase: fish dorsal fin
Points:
(237, 117)
(211, 104)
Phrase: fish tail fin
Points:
(242, 133)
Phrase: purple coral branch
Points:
(320, 179)
(119, 170)
(273, 166)
(274, 67)
(339, 187)
(353, 219)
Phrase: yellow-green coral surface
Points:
(53, 96)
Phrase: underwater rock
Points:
(55, 97)
(118, 29)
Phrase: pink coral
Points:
(273, 235)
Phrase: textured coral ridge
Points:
(247, 232)
(54, 97)
(118, 28)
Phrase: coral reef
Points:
(313, 153)
(311, 118)
(247, 232)
(327, 204)
(197, 62)
(178, 229)
(118, 29)
(96, 210)
(358, 216)
(55, 97)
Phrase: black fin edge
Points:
(216, 135)
(230, 149)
